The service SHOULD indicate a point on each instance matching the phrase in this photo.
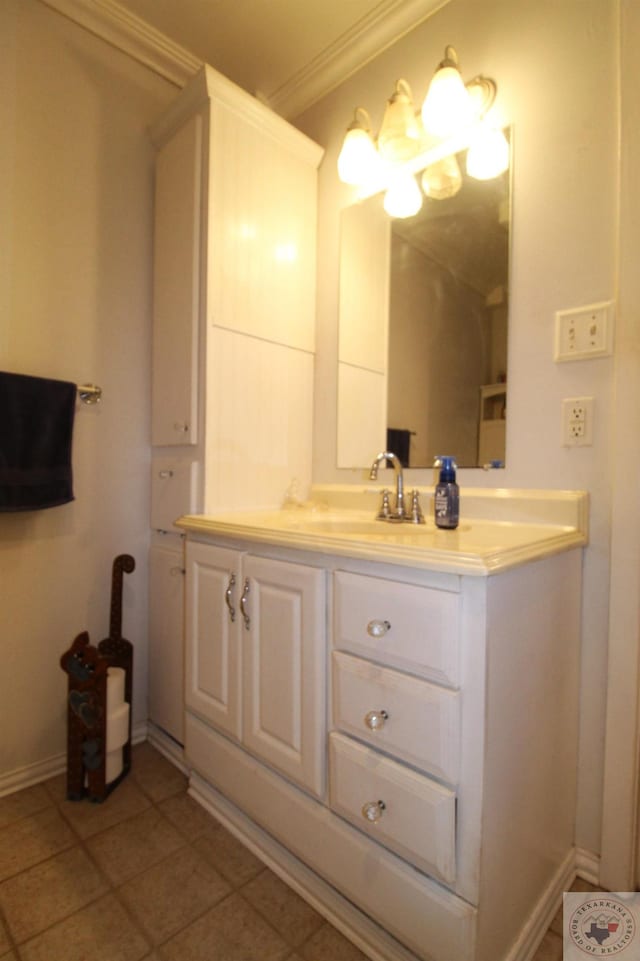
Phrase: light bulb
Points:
(488, 153)
(447, 107)
(403, 198)
(442, 179)
(358, 161)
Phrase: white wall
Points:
(76, 176)
(556, 68)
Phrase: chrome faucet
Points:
(399, 513)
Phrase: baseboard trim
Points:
(544, 912)
(167, 746)
(588, 866)
(31, 774)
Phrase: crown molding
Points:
(133, 36)
(387, 22)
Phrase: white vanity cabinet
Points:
(255, 663)
(449, 736)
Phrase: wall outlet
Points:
(584, 332)
(577, 422)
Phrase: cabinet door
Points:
(166, 642)
(284, 686)
(176, 298)
(213, 657)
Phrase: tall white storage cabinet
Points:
(234, 324)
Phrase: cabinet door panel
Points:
(166, 648)
(213, 660)
(284, 689)
(176, 296)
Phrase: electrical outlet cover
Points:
(584, 332)
(577, 422)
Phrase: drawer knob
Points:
(375, 720)
(378, 628)
(373, 810)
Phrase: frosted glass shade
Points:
(403, 198)
(488, 154)
(447, 106)
(358, 161)
(442, 179)
(400, 135)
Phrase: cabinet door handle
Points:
(182, 428)
(373, 810)
(378, 628)
(375, 720)
(164, 474)
(227, 597)
(243, 603)
(177, 571)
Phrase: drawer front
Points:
(422, 723)
(413, 628)
(399, 808)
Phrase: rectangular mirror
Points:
(423, 327)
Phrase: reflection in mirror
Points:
(423, 327)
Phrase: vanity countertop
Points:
(498, 529)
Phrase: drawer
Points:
(401, 809)
(402, 625)
(422, 725)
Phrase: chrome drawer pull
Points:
(182, 428)
(177, 571)
(164, 474)
(378, 628)
(373, 810)
(227, 597)
(375, 720)
(243, 603)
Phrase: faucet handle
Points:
(385, 509)
(416, 516)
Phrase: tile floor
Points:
(149, 876)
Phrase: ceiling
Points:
(289, 53)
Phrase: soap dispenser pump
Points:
(447, 495)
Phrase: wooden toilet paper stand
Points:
(87, 716)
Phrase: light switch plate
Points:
(584, 332)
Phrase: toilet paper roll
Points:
(115, 688)
(117, 728)
(113, 765)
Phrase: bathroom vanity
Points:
(387, 714)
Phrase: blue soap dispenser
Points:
(447, 495)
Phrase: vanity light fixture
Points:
(451, 111)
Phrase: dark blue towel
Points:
(36, 429)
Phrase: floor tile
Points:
(189, 817)
(154, 774)
(329, 945)
(57, 887)
(31, 840)
(100, 932)
(229, 856)
(135, 845)
(174, 893)
(4, 940)
(232, 931)
(88, 818)
(22, 804)
(292, 917)
(550, 948)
